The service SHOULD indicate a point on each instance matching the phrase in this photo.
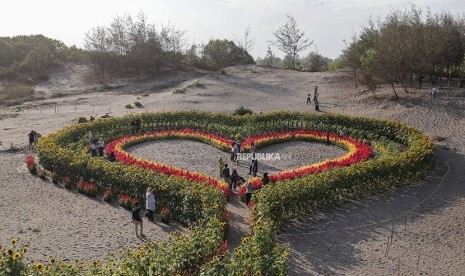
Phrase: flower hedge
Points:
(358, 151)
(118, 146)
(403, 154)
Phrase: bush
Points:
(138, 104)
(129, 106)
(240, 110)
(82, 120)
(178, 91)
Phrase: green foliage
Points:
(129, 106)
(219, 54)
(335, 65)
(32, 54)
(178, 90)
(315, 62)
(138, 104)
(241, 110)
(82, 120)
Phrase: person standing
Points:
(309, 100)
(234, 179)
(252, 148)
(31, 139)
(101, 146)
(93, 147)
(150, 203)
(137, 219)
(221, 163)
(233, 150)
(317, 105)
(36, 138)
(434, 91)
(254, 166)
(265, 179)
(227, 175)
(248, 192)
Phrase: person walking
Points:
(309, 100)
(137, 219)
(317, 105)
(150, 203)
(248, 192)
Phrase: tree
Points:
(97, 44)
(315, 62)
(221, 53)
(246, 45)
(291, 41)
(269, 59)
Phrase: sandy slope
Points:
(357, 252)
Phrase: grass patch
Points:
(13, 92)
(138, 104)
(179, 90)
(195, 84)
(129, 106)
(145, 95)
(240, 110)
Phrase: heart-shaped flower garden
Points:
(357, 151)
(199, 200)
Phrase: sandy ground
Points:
(357, 250)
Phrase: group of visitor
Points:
(97, 147)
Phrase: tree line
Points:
(131, 45)
(406, 48)
(32, 55)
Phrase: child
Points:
(137, 219)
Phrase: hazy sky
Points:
(327, 22)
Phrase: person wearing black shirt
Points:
(137, 219)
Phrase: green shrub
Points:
(82, 120)
(240, 110)
(138, 104)
(129, 106)
(178, 91)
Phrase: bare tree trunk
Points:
(404, 86)
(354, 70)
(394, 90)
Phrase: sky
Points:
(327, 22)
